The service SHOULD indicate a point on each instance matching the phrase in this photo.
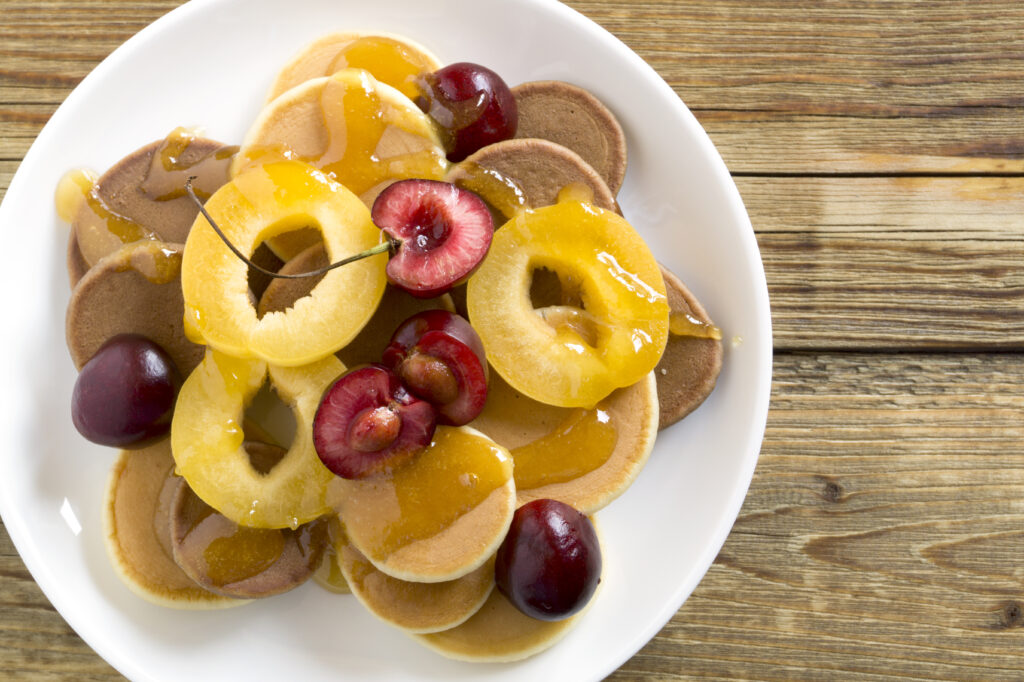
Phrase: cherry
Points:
(368, 423)
(443, 233)
(441, 359)
(124, 395)
(549, 564)
(472, 104)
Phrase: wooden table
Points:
(879, 147)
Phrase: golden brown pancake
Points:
(136, 289)
(143, 195)
(314, 123)
(498, 632)
(538, 169)
(585, 458)
(574, 118)
(138, 535)
(394, 307)
(415, 607)
(690, 365)
(77, 265)
(319, 59)
(245, 563)
(436, 518)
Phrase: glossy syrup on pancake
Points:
(409, 529)
(143, 195)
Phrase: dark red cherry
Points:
(443, 232)
(472, 104)
(368, 423)
(441, 359)
(124, 396)
(549, 564)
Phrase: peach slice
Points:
(362, 133)
(391, 59)
(256, 205)
(207, 441)
(573, 359)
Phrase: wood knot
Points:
(833, 492)
(1012, 615)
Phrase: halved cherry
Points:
(443, 233)
(441, 359)
(368, 423)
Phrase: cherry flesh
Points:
(472, 104)
(441, 359)
(549, 564)
(443, 232)
(124, 396)
(368, 423)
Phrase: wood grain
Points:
(843, 85)
(782, 86)
(893, 263)
(879, 148)
(881, 536)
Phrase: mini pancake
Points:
(436, 518)
(143, 195)
(415, 607)
(245, 563)
(531, 171)
(690, 365)
(138, 534)
(394, 308)
(77, 265)
(498, 633)
(574, 118)
(364, 133)
(377, 54)
(136, 289)
(585, 458)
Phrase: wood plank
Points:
(35, 642)
(882, 534)
(892, 263)
(842, 86)
(863, 86)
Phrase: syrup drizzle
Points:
(684, 324)
(170, 166)
(582, 443)
(500, 191)
(418, 500)
(389, 60)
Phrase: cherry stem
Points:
(389, 246)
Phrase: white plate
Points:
(209, 63)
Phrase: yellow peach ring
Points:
(256, 205)
(570, 360)
(206, 441)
